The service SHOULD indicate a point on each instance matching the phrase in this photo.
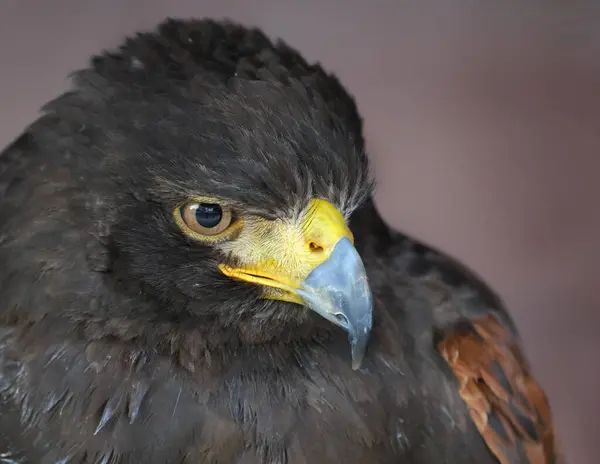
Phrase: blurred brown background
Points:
(484, 123)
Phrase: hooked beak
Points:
(339, 291)
(312, 263)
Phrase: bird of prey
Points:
(193, 271)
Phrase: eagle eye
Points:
(204, 220)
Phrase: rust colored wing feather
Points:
(507, 405)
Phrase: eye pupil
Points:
(209, 215)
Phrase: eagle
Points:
(193, 270)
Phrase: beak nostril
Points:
(315, 248)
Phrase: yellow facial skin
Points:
(310, 260)
(281, 254)
(277, 254)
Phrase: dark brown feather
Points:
(121, 343)
(506, 403)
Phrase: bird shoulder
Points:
(507, 405)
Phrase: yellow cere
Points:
(280, 254)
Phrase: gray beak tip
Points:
(339, 291)
(356, 363)
(358, 342)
